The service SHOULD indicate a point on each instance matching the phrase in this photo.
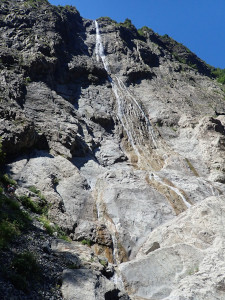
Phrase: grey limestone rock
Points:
(83, 284)
(126, 147)
(190, 246)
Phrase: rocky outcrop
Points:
(188, 248)
(82, 284)
(122, 135)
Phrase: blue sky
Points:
(198, 24)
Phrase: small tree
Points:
(128, 24)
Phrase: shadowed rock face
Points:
(122, 137)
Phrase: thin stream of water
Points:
(119, 87)
(123, 87)
(176, 190)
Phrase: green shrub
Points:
(34, 190)
(34, 3)
(219, 74)
(194, 66)
(6, 180)
(103, 262)
(53, 228)
(69, 7)
(12, 204)
(144, 29)
(46, 223)
(180, 59)
(56, 181)
(87, 242)
(193, 270)
(65, 238)
(127, 23)
(27, 80)
(8, 230)
(30, 204)
(61, 234)
(104, 19)
(221, 79)
(107, 19)
(12, 220)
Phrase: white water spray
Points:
(99, 50)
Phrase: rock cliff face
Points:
(124, 134)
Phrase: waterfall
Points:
(99, 50)
(123, 119)
(128, 108)
(149, 125)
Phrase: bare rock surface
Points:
(60, 182)
(123, 133)
(130, 206)
(174, 260)
(83, 284)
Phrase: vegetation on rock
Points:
(106, 19)
(128, 24)
(13, 220)
(143, 30)
(219, 74)
(52, 228)
(86, 242)
(24, 270)
(29, 204)
(34, 190)
(35, 3)
(6, 180)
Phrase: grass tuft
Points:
(28, 203)
(12, 220)
(6, 180)
(87, 242)
(34, 190)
